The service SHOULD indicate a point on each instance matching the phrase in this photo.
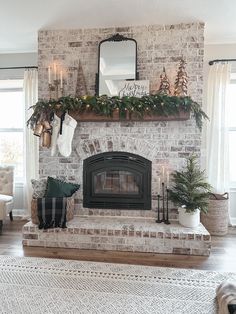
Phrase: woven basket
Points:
(69, 210)
(216, 220)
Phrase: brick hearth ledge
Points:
(121, 234)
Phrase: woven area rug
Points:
(39, 285)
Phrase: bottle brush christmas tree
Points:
(181, 82)
(164, 88)
(190, 188)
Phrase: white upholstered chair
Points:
(6, 193)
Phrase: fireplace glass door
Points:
(117, 180)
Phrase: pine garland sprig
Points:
(198, 114)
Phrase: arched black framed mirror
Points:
(117, 61)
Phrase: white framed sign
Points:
(133, 88)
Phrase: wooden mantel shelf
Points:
(93, 117)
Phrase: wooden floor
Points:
(223, 255)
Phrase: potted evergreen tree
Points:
(190, 191)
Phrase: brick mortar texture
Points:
(164, 143)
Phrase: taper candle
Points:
(159, 185)
(61, 81)
(167, 179)
(49, 75)
(55, 71)
(163, 173)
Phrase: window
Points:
(232, 128)
(11, 125)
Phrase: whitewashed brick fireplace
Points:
(164, 143)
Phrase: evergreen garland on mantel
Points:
(161, 105)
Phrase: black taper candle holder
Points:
(163, 201)
(158, 209)
(167, 222)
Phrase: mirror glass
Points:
(117, 62)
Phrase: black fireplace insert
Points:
(117, 180)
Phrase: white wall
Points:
(16, 60)
(212, 52)
(225, 51)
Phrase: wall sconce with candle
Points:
(55, 82)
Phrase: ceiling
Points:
(21, 20)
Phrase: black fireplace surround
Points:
(117, 180)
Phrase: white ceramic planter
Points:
(189, 220)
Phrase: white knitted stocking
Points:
(64, 140)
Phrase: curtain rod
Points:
(15, 68)
(220, 60)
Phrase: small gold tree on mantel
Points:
(164, 88)
(181, 82)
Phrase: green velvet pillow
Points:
(58, 188)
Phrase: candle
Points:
(159, 186)
(61, 81)
(167, 178)
(49, 75)
(163, 173)
(55, 71)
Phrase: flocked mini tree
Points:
(181, 81)
(81, 87)
(164, 88)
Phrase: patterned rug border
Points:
(114, 270)
(48, 285)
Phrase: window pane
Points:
(231, 100)
(11, 105)
(232, 155)
(11, 84)
(11, 151)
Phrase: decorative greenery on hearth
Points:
(162, 105)
(189, 187)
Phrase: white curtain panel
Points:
(31, 145)
(217, 146)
